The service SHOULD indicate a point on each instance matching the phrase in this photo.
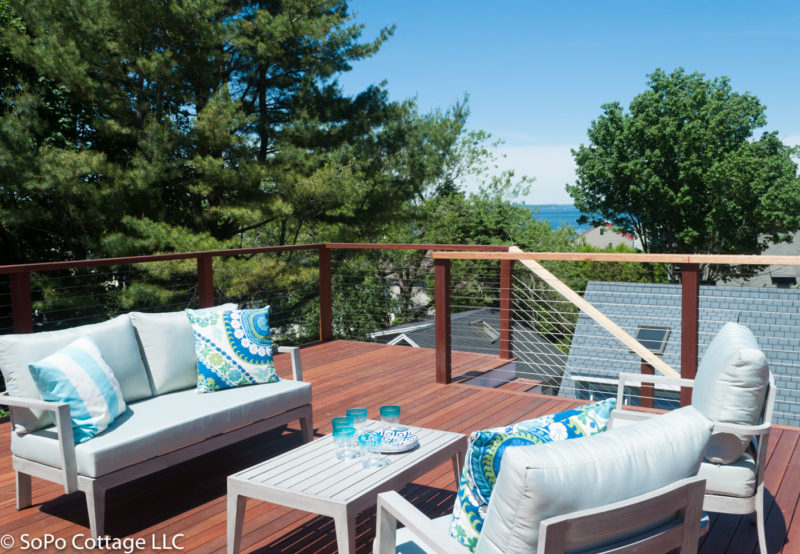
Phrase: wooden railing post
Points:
(690, 312)
(325, 294)
(205, 280)
(506, 309)
(21, 307)
(647, 391)
(441, 270)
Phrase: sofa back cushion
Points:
(114, 338)
(730, 387)
(167, 347)
(546, 480)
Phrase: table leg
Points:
(345, 532)
(236, 505)
(458, 465)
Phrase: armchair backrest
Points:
(543, 481)
(730, 387)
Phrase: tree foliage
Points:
(683, 170)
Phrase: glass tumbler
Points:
(359, 416)
(390, 418)
(370, 445)
(343, 442)
(338, 422)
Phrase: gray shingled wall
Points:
(772, 314)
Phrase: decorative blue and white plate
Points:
(398, 440)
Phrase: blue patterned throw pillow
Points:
(233, 348)
(78, 375)
(485, 452)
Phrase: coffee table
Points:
(310, 478)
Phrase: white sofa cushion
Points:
(734, 479)
(542, 481)
(164, 423)
(730, 387)
(167, 345)
(115, 339)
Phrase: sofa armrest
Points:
(297, 366)
(393, 508)
(66, 442)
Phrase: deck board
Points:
(346, 374)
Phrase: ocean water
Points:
(559, 215)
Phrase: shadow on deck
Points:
(189, 499)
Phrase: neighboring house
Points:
(596, 358)
(605, 236)
(478, 331)
(780, 276)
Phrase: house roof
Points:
(471, 331)
(773, 315)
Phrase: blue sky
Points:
(538, 72)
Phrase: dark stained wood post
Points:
(690, 313)
(506, 309)
(21, 307)
(325, 294)
(441, 271)
(647, 391)
(205, 280)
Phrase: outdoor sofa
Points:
(166, 422)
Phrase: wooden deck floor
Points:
(188, 502)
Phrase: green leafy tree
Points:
(683, 170)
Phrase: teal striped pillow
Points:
(78, 375)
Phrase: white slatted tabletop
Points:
(311, 478)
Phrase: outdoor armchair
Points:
(633, 484)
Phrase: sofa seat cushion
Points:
(117, 343)
(164, 423)
(736, 479)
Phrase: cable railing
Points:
(674, 322)
(505, 326)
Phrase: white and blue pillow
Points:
(78, 375)
(485, 452)
(233, 348)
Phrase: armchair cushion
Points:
(167, 348)
(734, 479)
(233, 348)
(485, 453)
(116, 341)
(730, 387)
(539, 482)
(78, 375)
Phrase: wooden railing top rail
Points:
(438, 247)
(613, 257)
(97, 262)
(100, 262)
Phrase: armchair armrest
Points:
(626, 378)
(393, 508)
(66, 442)
(297, 366)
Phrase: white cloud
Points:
(551, 165)
(791, 140)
